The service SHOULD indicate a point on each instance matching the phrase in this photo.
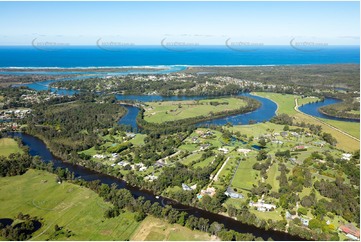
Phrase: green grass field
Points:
(343, 142)
(138, 139)
(286, 105)
(159, 112)
(76, 208)
(204, 163)
(9, 146)
(257, 129)
(192, 157)
(154, 229)
(351, 128)
(285, 102)
(273, 173)
(245, 175)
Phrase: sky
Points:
(192, 23)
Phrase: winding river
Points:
(264, 113)
(312, 109)
(37, 147)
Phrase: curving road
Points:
(329, 125)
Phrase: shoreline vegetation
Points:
(342, 110)
(191, 112)
(308, 159)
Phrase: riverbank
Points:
(324, 123)
(38, 148)
(338, 129)
(323, 110)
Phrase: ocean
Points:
(92, 56)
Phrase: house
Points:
(210, 191)
(277, 142)
(346, 156)
(194, 187)
(300, 147)
(284, 134)
(288, 215)
(186, 187)
(159, 164)
(204, 146)
(195, 139)
(294, 161)
(224, 150)
(151, 178)
(319, 143)
(123, 163)
(130, 135)
(231, 193)
(295, 134)
(351, 231)
(99, 156)
(244, 151)
(305, 221)
(263, 207)
(143, 168)
(321, 161)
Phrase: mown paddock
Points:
(286, 105)
(153, 229)
(9, 146)
(76, 208)
(159, 112)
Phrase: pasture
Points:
(158, 112)
(9, 146)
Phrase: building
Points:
(204, 146)
(346, 156)
(263, 207)
(277, 142)
(244, 151)
(319, 143)
(231, 193)
(210, 191)
(351, 231)
(305, 221)
(300, 147)
(186, 187)
(284, 134)
(224, 150)
(295, 134)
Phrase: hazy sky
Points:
(140, 23)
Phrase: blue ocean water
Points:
(90, 56)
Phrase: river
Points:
(38, 147)
(264, 113)
(312, 109)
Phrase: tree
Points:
(262, 142)
(262, 155)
